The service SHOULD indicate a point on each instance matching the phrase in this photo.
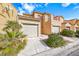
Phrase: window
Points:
(55, 18)
(77, 28)
(49, 17)
(68, 28)
(39, 16)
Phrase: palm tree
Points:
(12, 26)
(12, 30)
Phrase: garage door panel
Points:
(55, 29)
(30, 30)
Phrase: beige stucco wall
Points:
(46, 18)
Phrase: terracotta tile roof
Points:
(73, 22)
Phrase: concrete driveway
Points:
(34, 46)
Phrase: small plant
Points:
(55, 40)
(68, 33)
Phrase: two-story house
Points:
(56, 23)
(31, 25)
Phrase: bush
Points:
(77, 33)
(68, 33)
(55, 40)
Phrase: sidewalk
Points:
(61, 50)
(69, 39)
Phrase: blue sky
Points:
(67, 10)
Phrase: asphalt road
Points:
(74, 53)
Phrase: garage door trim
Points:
(33, 25)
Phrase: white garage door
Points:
(30, 30)
(55, 29)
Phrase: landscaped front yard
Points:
(13, 41)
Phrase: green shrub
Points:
(55, 40)
(77, 33)
(68, 33)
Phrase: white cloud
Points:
(77, 7)
(39, 5)
(21, 11)
(28, 7)
(46, 4)
(36, 5)
(65, 4)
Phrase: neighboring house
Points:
(56, 23)
(7, 12)
(71, 24)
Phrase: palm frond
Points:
(19, 34)
(7, 11)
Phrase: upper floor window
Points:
(77, 28)
(57, 18)
(68, 28)
(38, 16)
(49, 17)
